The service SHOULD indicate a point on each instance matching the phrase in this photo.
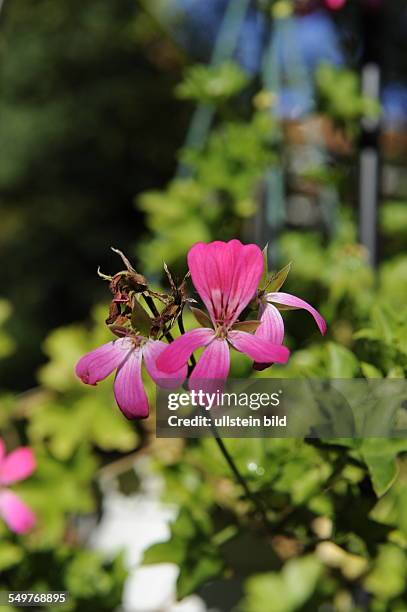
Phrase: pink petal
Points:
(16, 514)
(129, 389)
(99, 363)
(259, 349)
(271, 329)
(295, 302)
(175, 356)
(214, 362)
(151, 351)
(2, 450)
(17, 465)
(272, 326)
(226, 276)
(335, 4)
(212, 369)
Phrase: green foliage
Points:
(217, 200)
(97, 583)
(178, 217)
(73, 413)
(212, 84)
(388, 576)
(393, 218)
(52, 557)
(235, 159)
(6, 343)
(340, 97)
(68, 426)
(380, 457)
(190, 547)
(93, 583)
(284, 592)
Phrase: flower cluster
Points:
(16, 466)
(228, 278)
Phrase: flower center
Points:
(138, 341)
(221, 331)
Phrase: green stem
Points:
(258, 505)
(182, 330)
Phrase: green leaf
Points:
(10, 554)
(278, 279)
(191, 576)
(165, 552)
(89, 576)
(191, 548)
(389, 575)
(380, 456)
(342, 363)
(370, 371)
(286, 591)
(212, 84)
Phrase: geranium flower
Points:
(126, 355)
(226, 276)
(18, 465)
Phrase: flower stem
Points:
(260, 509)
(182, 330)
(258, 505)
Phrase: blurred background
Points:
(148, 125)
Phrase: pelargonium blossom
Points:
(226, 276)
(126, 355)
(16, 466)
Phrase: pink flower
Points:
(18, 465)
(335, 5)
(126, 355)
(226, 276)
(272, 325)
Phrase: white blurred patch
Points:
(133, 523)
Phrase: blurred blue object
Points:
(317, 39)
(300, 44)
(394, 100)
(251, 41)
(316, 36)
(293, 103)
(200, 23)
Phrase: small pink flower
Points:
(126, 355)
(335, 5)
(18, 465)
(226, 276)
